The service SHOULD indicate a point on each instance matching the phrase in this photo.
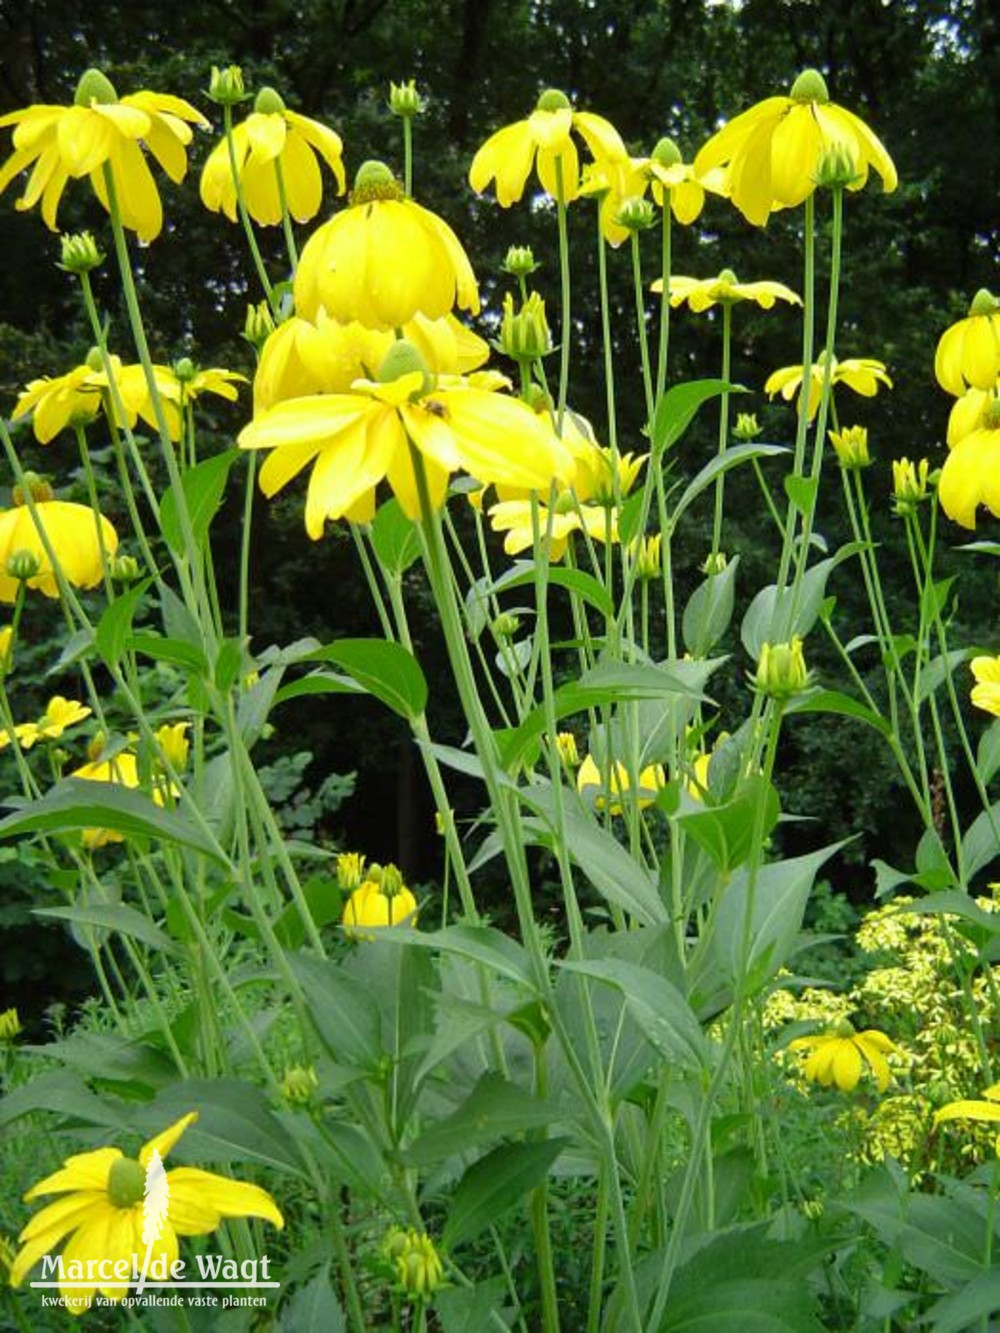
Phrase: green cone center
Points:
(810, 86)
(126, 1182)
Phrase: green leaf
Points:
(115, 625)
(961, 1311)
(78, 804)
(662, 1013)
(178, 652)
(318, 682)
(66, 1094)
(583, 585)
(832, 701)
(802, 492)
(341, 1010)
(733, 457)
(477, 944)
(726, 831)
(228, 664)
(709, 610)
(386, 670)
(677, 408)
(988, 752)
(494, 1109)
(202, 488)
(396, 538)
(469, 1309)
(494, 1184)
(113, 916)
(769, 616)
(314, 1308)
(981, 843)
(937, 671)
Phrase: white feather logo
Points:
(154, 1210)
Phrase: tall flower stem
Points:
(665, 266)
(255, 255)
(720, 481)
(640, 322)
(565, 328)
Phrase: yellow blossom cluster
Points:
(967, 365)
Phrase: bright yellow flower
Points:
(64, 142)
(59, 714)
(909, 484)
(840, 1055)
(702, 293)
(301, 358)
(970, 476)
(6, 649)
(568, 515)
(851, 447)
(272, 138)
(862, 374)
(71, 530)
(383, 260)
(545, 139)
(172, 740)
(988, 1110)
(100, 1216)
(590, 784)
(357, 439)
(986, 691)
(774, 153)
(122, 768)
(66, 400)
(969, 413)
(382, 899)
(968, 353)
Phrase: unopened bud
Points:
(505, 625)
(909, 484)
(747, 427)
(781, 670)
(350, 870)
(837, 168)
(22, 565)
(34, 486)
(851, 447)
(519, 261)
(226, 86)
(418, 1266)
(405, 101)
(258, 325)
(714, 563)
(566, 746)
(79, 253)
(524, 334)
(185, 369)
(6, 650)
(299, 1084)
(10, 1026)
(636, 214)
(124, 569)
(646, 554)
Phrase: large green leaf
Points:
(577, 581)
(775, 615)
(677, 408)
(115, 625)
(345, 1018)
(202, 489)
(494, 1109)
(75, 804)
(113, 916)
(727, 831)
(709, 610)
(494, 1184)
(395, 537)
(314, 1308)
(386, 670)
(722, 463)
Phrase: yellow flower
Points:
(566, 747)
(56, 402)
(272, 140)
(781, 669)
(988, 1110)
(174, 743)
(969, 413)
(383, 260)
(970, 476)
(840, 1055)
(121, 767)
(544, 140)
(703, 293)
(590, 784)
(100, 1216)
(909, 484)
(862, 374)
(71, 531)
(358, 438)
(968, 353)
(986, 691)
(59, 714)
(774, 153)
(382, 899)
(6, 649)
(100, 130)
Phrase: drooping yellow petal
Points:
(228, 1198)
(506, 157)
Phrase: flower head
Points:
(381, 899)
(122, 767)
(781, 669)
(851, 447)
(99, 1215)
(968, 353)
(862, 374)
(71, 531)
(418, 1266)
(986, 691)
(545, 141)
(100, 131)
(703, 293)
(909, 484)
(59, 714)
(356, 439)
(273, 151)
(608, 790)
(775, 153)
(970, 476)
(840, 1055)
(383, 260)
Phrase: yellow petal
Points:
(229, 1198)
(165, 1140)
(266, 135)
(506, 156)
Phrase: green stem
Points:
(248, 231)
(665, 263)
(564, 286)
(640, 322)
(720, 481)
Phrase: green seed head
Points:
(95, 87)
(374, 180)
(552, 100)
(269, 102)
(126, 1182)
(810, 86)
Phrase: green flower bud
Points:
(402, 359)
(95, 359)
(418, 1265)
(124, 569)
(10, 1025)
(838, 168)
(566, 746)
(524, 335)
(747, 427)
(666, 153)
(374, 181)
(646, 554)
(126, 1182)
(909, 484)
(299, 1084)
(781, 670)
(258, 325)
(94, 87)
(226, 86)
(505, 625)
(350, 870)
(552, 100)
(79, 253)
(714, 563)
(636, 214)
(185, 369)
(984, 303)
(810, 86)
(519, 261)
(405, 101)
(391, 881)
(269, 102)
(851, 447)
(23, 565)
(37, 488)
